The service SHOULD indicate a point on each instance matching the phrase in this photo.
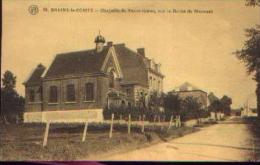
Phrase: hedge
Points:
(150, 114)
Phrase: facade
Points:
(77, 83)
(186, 90)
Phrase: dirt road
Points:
(228, 141)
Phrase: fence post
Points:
(170, 124)
(111, 126)
(85, 132)
(143, 124)
(129, 123)
(179, 121)
(45, 140)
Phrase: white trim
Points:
(47, 66)
(65, 116)
(38, 102)
(53, 103)
(70, 102)
(89, 101)
(44, 73)
(112, 53)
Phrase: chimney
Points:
(141, 51)
(109, 43)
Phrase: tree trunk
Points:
(258, 98)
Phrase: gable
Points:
(132, 66)
(35, 76)
(111, 62)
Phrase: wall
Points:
(90, 115)
(80, 103)
(202, 96)
(37, 104)
(154, 85)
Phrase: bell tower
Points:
(100, 41)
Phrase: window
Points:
(89, 92)
(111, 79)
(128, 92)
(53, 97)
(31, 95)
(71, 92)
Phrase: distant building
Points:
(80, 84)
(187, 89)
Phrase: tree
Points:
(190, 108)
(11, 103)
(253, 3)
(226, 105)
(216, 106)
(212, 97)
(172, 105)
(250, 55)
(9, 80)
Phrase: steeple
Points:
(99, 40)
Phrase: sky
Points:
(194, 47)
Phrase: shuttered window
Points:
(53, 97)
(71, 92)
(89, 92)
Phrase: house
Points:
(78, 85)
(187, 89)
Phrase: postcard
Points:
(128, 80)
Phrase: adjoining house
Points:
(187, 89)
(78, 85)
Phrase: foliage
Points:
(12, 105)
(172, 105)
(250, 51)
(250, 55)
(190, 108)
(253, 3)
(212, 97)
(216, 106)
(226, 104)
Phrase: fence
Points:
(142, 124)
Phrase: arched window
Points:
(53, 95)
(89, 92)
(111, 79)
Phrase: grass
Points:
(24, 141)
(254, 128)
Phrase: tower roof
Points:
(99, 39)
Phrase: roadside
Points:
(24, 142)
(254, 129)
(227, 141)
